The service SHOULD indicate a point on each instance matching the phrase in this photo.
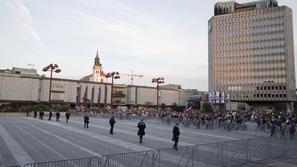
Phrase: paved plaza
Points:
(24, 140)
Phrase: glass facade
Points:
(251, 54)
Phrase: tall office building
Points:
(251, 54)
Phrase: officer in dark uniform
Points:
(35, 114)
(86, 121)
(111, 122)
(67, 114)
(50, 115)
(176, 134)
(41, 115)
(57, 116)
(141, 126)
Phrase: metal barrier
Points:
(225, 153)
(80, 162)
(139, 159)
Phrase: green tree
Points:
(206, 107)
(163, 106)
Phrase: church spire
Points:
(97, 60)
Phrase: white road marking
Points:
(20, 155)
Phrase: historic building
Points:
(251, 52)
(98, 74)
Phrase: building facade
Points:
(35, 89)
(251, 54)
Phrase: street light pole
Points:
(50, 89)
(52, 68)
(159, 80)
(113, 75)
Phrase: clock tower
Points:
(98, 74)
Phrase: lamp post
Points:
(113, 75)
(52, 68)
(159, 80)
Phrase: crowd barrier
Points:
(226, 153)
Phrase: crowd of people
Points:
(281, 123)
(277, 123)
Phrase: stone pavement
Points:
(24, 140)
(288, 161)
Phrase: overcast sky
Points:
(154, 38)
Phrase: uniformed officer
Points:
(176, 134)
(141, 126)
(111, 122)
(57, 116)
(86, 121)
(67, 114)
(50, 115)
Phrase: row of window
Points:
(251, 46)
(249, 25)
(252, 63)
(246, 36)
(247, 17)
(247, 42)
(272, 87)
(268, 31)
(271, 95)
(250, 60)
(246, 39)
(259, 52)
(262, 76)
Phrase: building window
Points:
(284, 87)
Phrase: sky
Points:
(154, 38)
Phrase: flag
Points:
(223, 97)
(189, 110)
(210, 97)
(217, 97)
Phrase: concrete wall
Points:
(33, 89)
(19, 89)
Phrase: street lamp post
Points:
(159, 80)
(52, 68)
(113, 75)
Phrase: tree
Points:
(163, 106)
(206, 107)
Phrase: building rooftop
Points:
(15, 71)
(229, 7)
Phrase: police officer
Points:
(111, 122)
(35, 114)
(41, 115)
(50, 115)
(67, 114)
(86, 121)
(176, 134)
(57, 116)
(141, 126)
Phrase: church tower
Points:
(98, 74)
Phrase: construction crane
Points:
(131, 75)
(32, 66)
